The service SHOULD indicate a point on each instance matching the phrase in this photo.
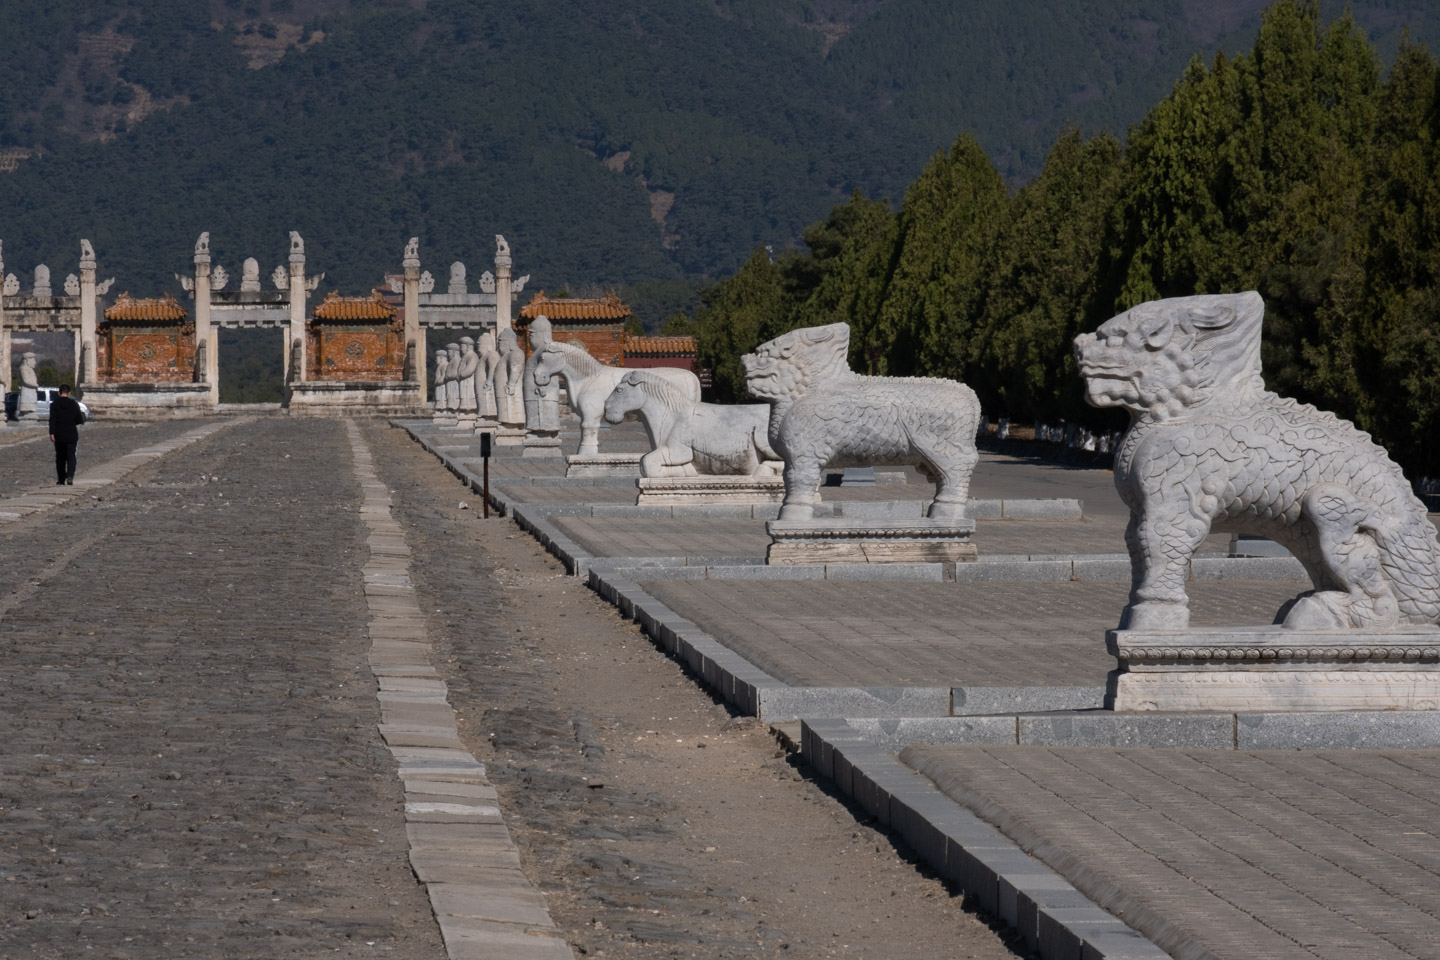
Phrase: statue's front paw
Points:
(797, 511)
(946, 511)
(1155, 615)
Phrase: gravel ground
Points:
(657, 824)
(189, 764)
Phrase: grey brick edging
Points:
(1057, 921)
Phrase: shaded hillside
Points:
(637, 142)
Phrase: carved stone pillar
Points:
(6, 371)
(502, 286)
(295, 341)
(413, 334)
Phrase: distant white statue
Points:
(452, 376)
(465, 378)
(487, 282)
(457, 278)
(281, 277)
(502, 249)
(427, 282)
(542, 403)
(29, 387)
(72, 285)
(691, 438)
(508, 376)
(250, 276)
(42, 282)
(442, 361)
(485, 376)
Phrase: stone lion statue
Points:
(1209, 447)
(823, 413)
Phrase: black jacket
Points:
(65, 416)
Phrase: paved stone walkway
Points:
(828, 633)
(189, 759)
(25, 465)
(1233, 856)
(459, 846)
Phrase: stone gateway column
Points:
(5, 370)
(205, 331)
(86, 373)
(295, 345)
(502, 285)
(412, 334)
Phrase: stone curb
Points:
(46, 498)
(460, 847)
(1056, 920)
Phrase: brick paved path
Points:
(1233, 856)
(189, 762)
(32, 464)
(828, 633)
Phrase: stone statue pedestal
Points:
(864, 540)
(508, 436)
(443, 417)
(486, 425)
(1270, 668)
(666, 491)
(542, 443)
(25, 409)
(603, 465)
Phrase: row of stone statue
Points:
(493, 380)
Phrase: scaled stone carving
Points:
(87, 254)
(12, 285)
(412, 253)
(822, 412)
(219, 276)
(508, 376)
(250, 276)
(442, 361)
(202, 246)
(520, 284)
(281, 277)
(186, 283)
(485, 378)
(457, 278)
(72, 286)
(103, 288)
(693, 438)
(589, 383)
(542, 402)
(465, 378)
(297, 245)
(42, 282)
(314, 281)
(427, 282)
(396, 284)
(1209, 447)
(487, 282)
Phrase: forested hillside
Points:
(1300, 169)
(642, 143)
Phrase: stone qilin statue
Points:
(822, 412)
(1209, 447)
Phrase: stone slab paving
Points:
(189, 759)
(1226, 855)
(876, 634)
(459, 845)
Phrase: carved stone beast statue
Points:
(1208, 446)
(822, 413)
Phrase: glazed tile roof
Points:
(659, 346)
(127, 307)
(373, 307)
(607, 307)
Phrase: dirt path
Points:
(658, 825)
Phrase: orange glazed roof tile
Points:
(373, 307)
(660, 346)
(607, 307)
(127, 307)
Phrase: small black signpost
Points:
(485, 459)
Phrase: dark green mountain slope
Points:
(639, 142)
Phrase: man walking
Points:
(65, 416)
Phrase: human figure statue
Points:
(42, 282)
(485, 376)
(457, 278)
(508, 377)
(465, 378)
(29, 387)
(250, 276)
(442, 360)
(452, 376)
(542, 404)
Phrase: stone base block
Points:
(1271, 668)
(603, 465)
(842, 540)
(328, 398)
(542, 443)
(668, 491)
(147, 401)
(504, 436)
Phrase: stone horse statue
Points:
(589, 382)
(693, 438)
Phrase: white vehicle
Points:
(43, 397)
